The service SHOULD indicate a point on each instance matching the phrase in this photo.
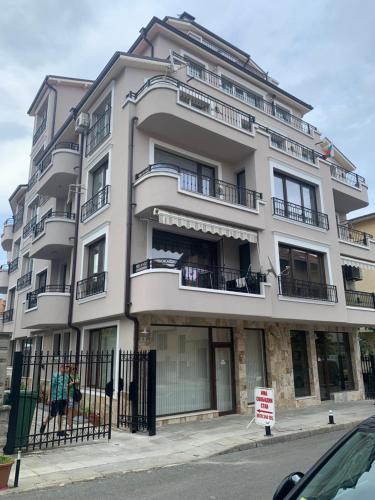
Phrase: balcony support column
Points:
(242, 396)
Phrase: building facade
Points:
(181, 202)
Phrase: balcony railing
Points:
(8, 315)
(291, 287)
(4, 267)
(46, 160)
(29, 227)
(347, 177)
(32, 297)
(203, 276)
(207, 186)
(360, 299)
(39, 227)
(248, 96)
(18, 220)
(291, 147)
(33, 180)
(91, 286)
(24, 281)
(13, 265)
(39, 130)
(99, 131)
(99, 200)
(351, 235)
(298, 213)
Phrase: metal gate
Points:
(368, 371)
(59, 399)
(136, 408)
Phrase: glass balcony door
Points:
(222, 348)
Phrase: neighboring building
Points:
(229, 263)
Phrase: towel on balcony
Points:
(241, 282)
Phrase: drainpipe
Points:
(144, 37)
(54, 90)
(75, 250)
(129, 225)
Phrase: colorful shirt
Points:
(59, 386)
(76, 384)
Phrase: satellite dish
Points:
(271, 269)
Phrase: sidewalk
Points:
(176, 444)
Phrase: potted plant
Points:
(5, 467)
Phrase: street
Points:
(247, 475)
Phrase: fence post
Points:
(151, 393)
(14, 401)
(133, 392)
(111, 396)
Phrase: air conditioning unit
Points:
(82, 122)
(352, 273)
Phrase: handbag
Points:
(77, 395)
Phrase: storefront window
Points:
(182, 372)
(102, 340)
(255, 364)
(300, 364)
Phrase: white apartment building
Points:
(182, 202)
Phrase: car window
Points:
(348, 475)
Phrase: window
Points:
(41, 280)
(100, 125)
(99, 178)
(300, 364)
(95, 281)
(241, 186)
(292, 190)
(255, 363)
(301, 264)
(11, 298)
(27, 264)
(282, 113)
(195, 69)
(95, 260)
(26, 348)
(98, 188)
(102, 340)
(61, 343)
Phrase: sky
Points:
(322, 51)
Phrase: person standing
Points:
(58, 398)
(75, 395)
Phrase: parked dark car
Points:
(345, 472)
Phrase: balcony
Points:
(13, 265)
(96, 203)
(99, 131)
(300, 214)
(291, 148)
(349, 189)
(39, 131)
(24, 281)
(290, 287)
(53, 236)
(93, 285)
(169, 186)
(7, 236)
(197, 289)
(360, 299)
(353, 236)
(4, 278)
(58, 169)
(177, 112)
(8, 316)
(47, 307)
(29, 227)
(18, 220)
(248, 97)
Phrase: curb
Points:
(288, 437)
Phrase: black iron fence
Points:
(207, 186)
(24, 281)
(29, 227)
(347, 177)
(291, 287)
(368, 372)
(299, 213)
(355, 298)
(18, 220)
(59, 399)
(99, 200)
(203, 276)
(13, 265)
(32, 297)
(136, 399)
(8, 315)
(91, 286)
(39, 130)
(39, 226)
(99, 131)
(351, 235)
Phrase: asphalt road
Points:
(246, 475)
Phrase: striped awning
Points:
(362, 264)
(173, 219)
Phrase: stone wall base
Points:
(343, 397)
(4, 418)
(186, 418)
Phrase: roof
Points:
(364, 217)
(165, 25)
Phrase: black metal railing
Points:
(99, 200)
(351, 235)
(207, 186)
(202, 102)
(360, 299)
(248, 96)
(347, 177)
(47, 159)
(299, 213)
(29, 227)
(13, 265)
(18, 220)
(8, 315)
(91, 286)
(9, 221)
(203, 276)
(368, 372)
(33, 180)
(98, 131)
(39, 130)
(39, 226)
(291, 147)
(32, 297)
(291, 287)
(24, 281)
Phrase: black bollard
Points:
(18, 466)
(331, 419)
(268, 430)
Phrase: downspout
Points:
(129, 225)
(54, 108)
(144, 37)
(75, 248)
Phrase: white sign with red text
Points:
(264, 406)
